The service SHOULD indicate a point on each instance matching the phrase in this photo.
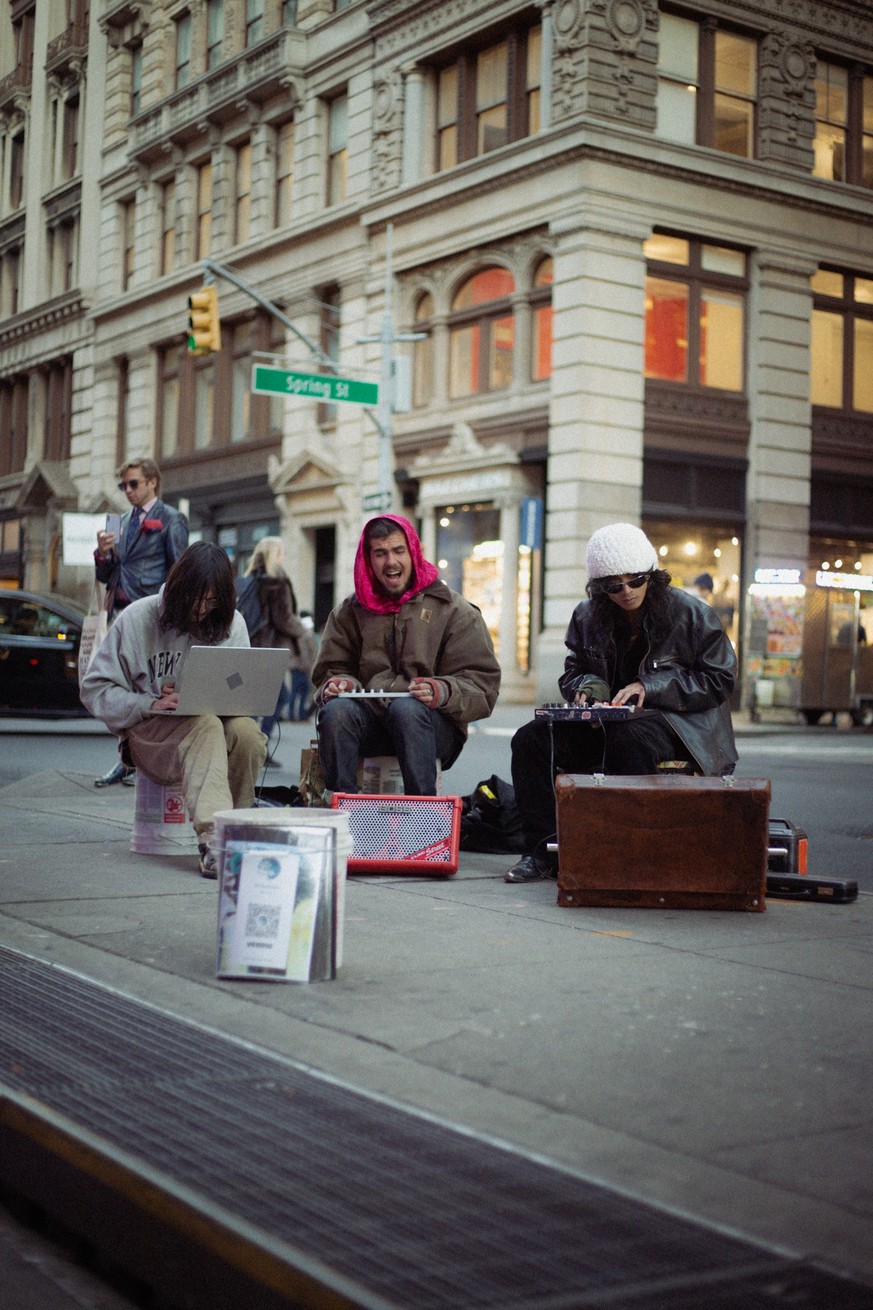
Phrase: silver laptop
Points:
(229, 680)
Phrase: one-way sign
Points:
(377, 500)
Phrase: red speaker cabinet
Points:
(402, 834)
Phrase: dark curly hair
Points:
(605, 612)
(204, 568)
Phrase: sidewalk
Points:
(717, 1065)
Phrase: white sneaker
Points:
(208, 863)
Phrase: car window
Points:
(26, 618)
(55, 625)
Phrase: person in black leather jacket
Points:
(636, 641)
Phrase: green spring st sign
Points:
(269, 380)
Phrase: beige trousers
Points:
(216, 760)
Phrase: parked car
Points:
(39, 654)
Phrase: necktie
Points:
(133, 528)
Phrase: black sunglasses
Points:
(133, 484)
(613, 588)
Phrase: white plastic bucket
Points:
(160, 821)
(379, 775)
(281, 905)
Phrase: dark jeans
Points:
(301, 695)
(269, 723)
(627, 747)
(348, 729)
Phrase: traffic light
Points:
(204, 325)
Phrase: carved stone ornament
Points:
(463, 441)
(384, 104)
(569, 20)
(625, 22)
(797, 65)
(387, 132)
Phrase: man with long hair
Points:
(636, 641)
(403, 630)
(133, 678)
(134, 564)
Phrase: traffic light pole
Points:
(213, 269)
(387, 336)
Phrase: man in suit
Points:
(151, 538)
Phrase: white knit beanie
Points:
(619, 548)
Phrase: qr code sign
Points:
(262, 920)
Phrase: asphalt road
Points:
(820, 777)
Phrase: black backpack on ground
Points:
(490, 821)
(249, 604)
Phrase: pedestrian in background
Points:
(152, 536)
(281, 625)
(302, 705)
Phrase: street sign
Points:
(377, 500)
(269, 380)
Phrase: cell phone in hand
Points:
(113, 525)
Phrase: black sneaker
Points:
(531, 868)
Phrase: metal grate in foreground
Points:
(416, 1214)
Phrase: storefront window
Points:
(470, 558)
(704, 561)
(240, 539)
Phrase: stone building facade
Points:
(631, 239)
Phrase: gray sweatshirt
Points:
(135, 658)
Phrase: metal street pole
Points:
(386, 380)
(387, 338)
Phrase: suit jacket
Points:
(141, 568)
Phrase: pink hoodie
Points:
(367, 590)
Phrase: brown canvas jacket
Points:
(437, 634)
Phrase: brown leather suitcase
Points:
(668, 842)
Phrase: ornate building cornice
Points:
(31, 323)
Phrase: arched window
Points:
(541, 337)
(422, 357)
(481, 334)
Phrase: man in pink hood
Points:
(402, 630)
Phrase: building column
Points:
(780, 441)
(57, 145)
(596, 412)
(440, 347)
(263, 179)
(546, 64)
(522, 318)
(780, 444)
(223, 161)
(512, 679)
(412, 162)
